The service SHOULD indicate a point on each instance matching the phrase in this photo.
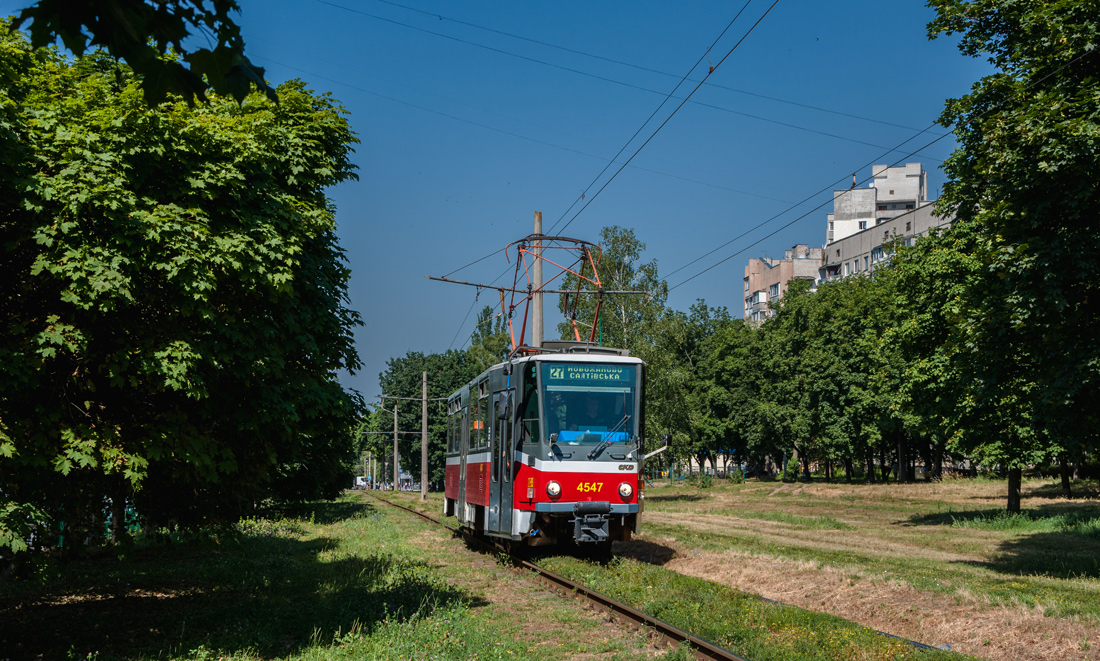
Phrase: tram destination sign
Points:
(590, 374)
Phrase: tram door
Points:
(463, 450)
(500, 479)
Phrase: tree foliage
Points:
(490, 342)
(174, 310)
(403, 377)
(141, 33)
(1025, 189)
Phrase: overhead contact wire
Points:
(638, 67)
(577, 71)
(913, 153)
(648, 120)
(667, 119)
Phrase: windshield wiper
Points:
(606, 443)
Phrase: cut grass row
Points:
(739, 621)
(351, 580)
(941, 538)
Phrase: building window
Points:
(838, 252)
(908, 206)
(863, 224)
(866, 266)
(773, 290)
(908, 227)
(882, 207)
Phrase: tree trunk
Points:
(926, 455)
(1063, 468)
(937, 461)
(903, 459)
(118, 514)
(806, 469)
(828, 471)
(848, 470)
(870, 466)
(1015, 476)
(882, 465)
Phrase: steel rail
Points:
(671, 635)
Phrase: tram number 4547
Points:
(589, 486)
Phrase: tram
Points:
(547, 447)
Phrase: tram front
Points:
(582, 458)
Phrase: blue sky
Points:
(474, 115)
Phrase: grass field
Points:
(937, 562)
(337, 580)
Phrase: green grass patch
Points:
(272, 588)
(1067, 596)
(735, 620)
(342, 580)
(809, 522)
(1085, 525)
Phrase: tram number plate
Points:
(590, 486)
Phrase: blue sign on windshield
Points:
(591, 436)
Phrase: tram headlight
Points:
(625, 490)
(553, 489)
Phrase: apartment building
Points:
(767, 279)
(868, 248)
(864, 222)
(892, 192)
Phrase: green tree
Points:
(728, 391)
(1024, 188)
(403, 377)
(174, 310)
(490, 342)
(626, 320)
(141, 32)
(678, 395)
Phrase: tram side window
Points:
(475, 424)
(532, 432)
(485, 421)
(451, 433)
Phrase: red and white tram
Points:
(547, 447)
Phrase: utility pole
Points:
(396, 479)
(536, 297)
(424, 437)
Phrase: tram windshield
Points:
(590, 403)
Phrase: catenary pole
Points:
(396, 479)
(536, 296)
(424, 437)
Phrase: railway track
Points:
(669, 634)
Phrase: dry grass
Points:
(887, 556)
(968, 625)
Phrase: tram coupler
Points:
(590, 522)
